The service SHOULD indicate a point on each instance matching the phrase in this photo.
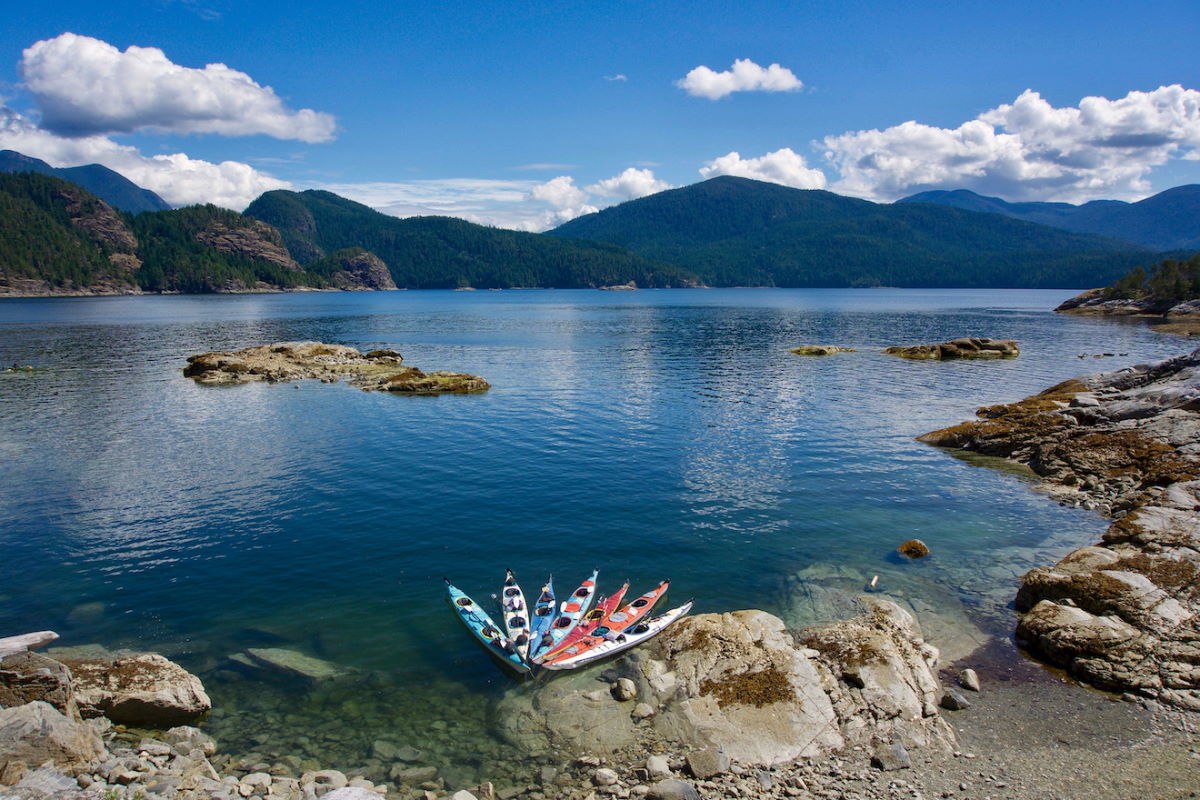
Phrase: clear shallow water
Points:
(653, 434)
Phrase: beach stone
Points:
(969, 679)
(408, 754)
(891, 756)
(144, 689)
(624, 689)
(185, 739)
(914, 549)
(953, 700)
(658, 768)
(462, 794)
(672, 789)
(643, 711)
(295, 663)
(604, 777)
(704, 764)
(325, 778)
(38, 732)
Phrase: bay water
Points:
(652, 434)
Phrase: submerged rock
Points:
(378, 370)
(957, 348)
(295, 663)
(913, 548)
(1123, 614)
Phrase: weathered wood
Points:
(15, 645)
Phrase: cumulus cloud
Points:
(501, 203)
(781, 166)
(1027, 150)
(566, 200)
(84, 87)
(630, 185)
(177, 178)
(743, 76)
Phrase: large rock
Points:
(356, 269)
(38, 732)
(820, 350)
(145, 689)
(27, 677)
(957, 348)
(739, 686)
(1124, 613)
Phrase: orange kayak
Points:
(591, 620)
(611, 625)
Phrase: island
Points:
(1168, 291)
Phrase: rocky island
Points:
(376, 370)
(1169, 292)
(1123, 614)
(967, 347)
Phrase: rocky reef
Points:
(967, 347)
(1173, 315)
(820, 350)
(1121, 614)
(377, 370)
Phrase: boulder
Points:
(704, 764)
(27, 677)
(144, 690)
(671, 789)
(37, 732)
(914, 549)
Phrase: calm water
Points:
(653, 434)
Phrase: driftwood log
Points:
(15, 645)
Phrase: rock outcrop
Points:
(358, 270)
(1101, 302)
(38, 732)
(255, 240)
(1123, 614)
(968, 347)
(378, 370)
(821, 350)
(741, 684)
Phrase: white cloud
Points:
(1027, 150)
(177, 178)
(566, 200)
(500, 203)
(619, 78)
(84, 86)
(743, 76)
(781, 166)
(630, 185)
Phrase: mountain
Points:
(1169, 220)
(443, 252)
(111, 187)
(734, 231)
(58, 238)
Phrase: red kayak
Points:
(591, 620)
(613, 625)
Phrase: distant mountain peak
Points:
(110, 186)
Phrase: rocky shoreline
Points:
(1124, 614)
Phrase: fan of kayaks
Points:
(572, 634)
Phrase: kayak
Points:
(573, 608)
(486, 631)
(591, 620)
(516, 615)
(544, 612)
(617, 622)
(632, 637)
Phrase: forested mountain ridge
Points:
(1169, 220)
(58, 238)
(448, 253)
(110, 186)
(735, 231)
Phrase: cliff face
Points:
(253, 240)
(1123, 614)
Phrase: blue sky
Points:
(525, 114)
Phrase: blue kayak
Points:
(544, 611)
(572, 609)
(486, 631)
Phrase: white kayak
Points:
(516, 615)
(632, 637)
